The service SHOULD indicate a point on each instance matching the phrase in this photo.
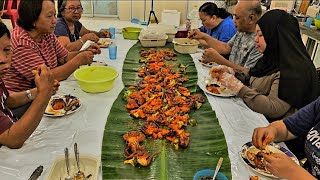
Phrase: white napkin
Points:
(86, 45)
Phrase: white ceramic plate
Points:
(210, 64)
(272, 147)
(89, 164)
(60, 112)
(224, 92)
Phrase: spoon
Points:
(66, 153)
(76, 154)
(217, 168)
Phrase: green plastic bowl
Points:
(131, 33)
(96, 79)
(317, 23)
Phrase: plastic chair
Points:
(12, 13)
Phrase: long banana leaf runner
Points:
(207, 141)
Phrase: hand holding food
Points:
(104, 34)
(44, 80)
(196, 34)
(85, 57)
(280, 165)
(217, 70)
(90, 36)
(230, 82)
(263, 136)
(94, 48)
(210, 55)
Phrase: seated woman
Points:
(304, 124)
(33, 44)
(217, 22)
(69, 31)
(14, 132)
(284, 79)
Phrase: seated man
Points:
(241, 47)
(69, 31)
(14, 132)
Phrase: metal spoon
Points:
(76, 154)
(217, 168)
(66, 153)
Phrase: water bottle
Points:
(193, 20)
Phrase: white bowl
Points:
(185, 45)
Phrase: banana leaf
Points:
(207, 141)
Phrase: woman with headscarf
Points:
(217, 22)
(283, 80)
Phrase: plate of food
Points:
(62, 105)
(104, 43)
(215, 88)
(209, 64)
(253, 159)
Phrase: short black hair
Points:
(29, 12)
(4, 30)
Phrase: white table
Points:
(86, 126)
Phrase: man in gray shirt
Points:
(242, 50)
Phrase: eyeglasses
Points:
(74, 9)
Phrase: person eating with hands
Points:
(69, 30)
(241, 47)
(283, 80)
(13, 131)
(305, 124)
(33, 44)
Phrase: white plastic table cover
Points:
(86, 126)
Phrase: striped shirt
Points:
(6, 116)
(27, 55)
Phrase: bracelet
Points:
(81, 41)
(29, 95)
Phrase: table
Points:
(86, 126)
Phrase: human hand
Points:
(263, 136)
(280, 165)
(230, 82)
(44, 81)
(84, 57)
(196, 34)
(217, 70)
(94, 48)
(104, 34)
(212, 55)
(90, 36)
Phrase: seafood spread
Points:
(161, 100)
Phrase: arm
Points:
(212, 55)
(72, 62)
(17, 99)
(71, 46)
(221, 47)
(19, 132)
(269, 105)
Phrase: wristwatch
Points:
(29, 95)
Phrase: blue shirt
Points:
(62, 29)
(306, 123)
(223, 32)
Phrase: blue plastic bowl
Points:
(208, 172)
